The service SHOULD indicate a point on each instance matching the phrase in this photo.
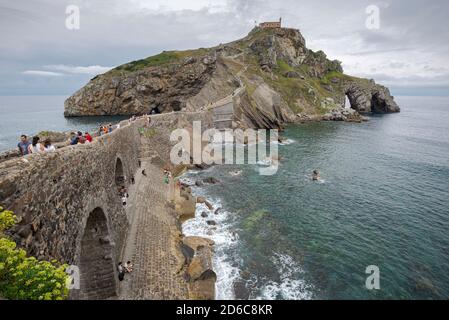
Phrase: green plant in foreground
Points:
(7, 219)
(26, 278)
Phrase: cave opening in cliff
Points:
(97, 276)
(119, 173)
(378, 105)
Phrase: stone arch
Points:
(119, 173)
(97, 266)
(367, 97)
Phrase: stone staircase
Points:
(223, 116)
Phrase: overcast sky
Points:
(40, 55)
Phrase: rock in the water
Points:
(211, 180)
(241, 291)
(187, 252)
(198, 242)
(367, 96)
(207, 203)
(199, 183)
(200, 274)
(211, 223)
(341, 114)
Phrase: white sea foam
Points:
(235, 173)
(291, 285)
(287, 142)
(266, 162)
(225, 240)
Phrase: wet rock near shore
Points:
(199, 183)
(241, 292)
(199, 272)
(342, 114)
(210, 180)
(204, 201)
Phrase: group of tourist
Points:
(145, 116)
(105, 129)
(79, 138)
(35, 146)
(124, 268)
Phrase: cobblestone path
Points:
(152, 243)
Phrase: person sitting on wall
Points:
(48, 147)
(23, 145)
(73, 139)
(88, 136)
(81, 139)
(35, 146)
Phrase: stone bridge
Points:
(68, 205)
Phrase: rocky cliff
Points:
(270, 76)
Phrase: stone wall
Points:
(68, 204)
(53, 194)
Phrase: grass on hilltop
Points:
(163, 58)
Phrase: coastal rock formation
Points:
(130, 90)
(263, 80)
(367, 96)
(199, 271)
(341, 114)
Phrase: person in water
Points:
(315, 175)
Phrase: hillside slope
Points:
(270, 76)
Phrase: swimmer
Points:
(316, 175)
(236, 173)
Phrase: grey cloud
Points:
(116, 31)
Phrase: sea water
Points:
(383, 200)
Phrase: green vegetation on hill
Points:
(163, 58)
(332, 75)
(283, 66)
(26, 278)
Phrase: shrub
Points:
(26, 278)
(7, 219)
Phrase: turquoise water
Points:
(32, 114)
(384, 201)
